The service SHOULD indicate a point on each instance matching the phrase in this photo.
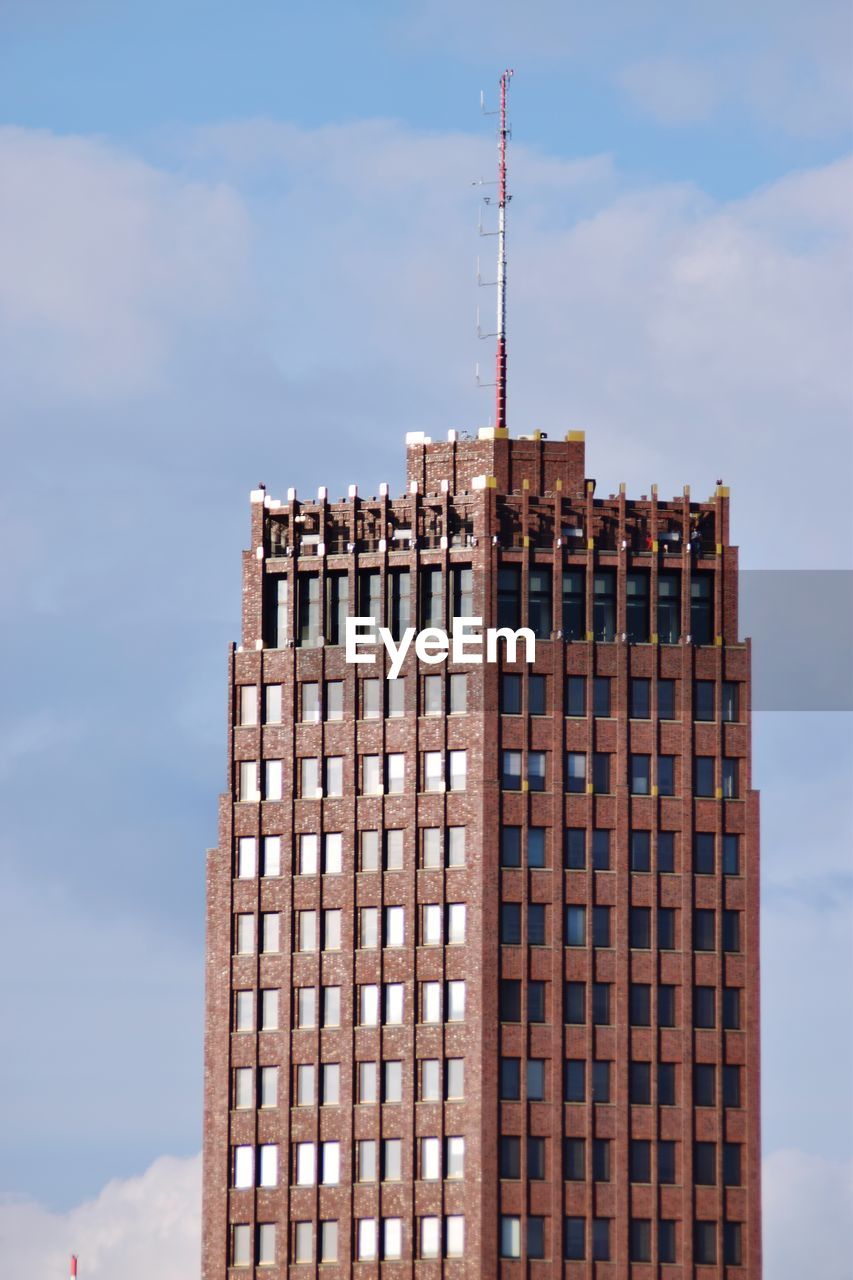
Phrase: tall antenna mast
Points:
(500, 360)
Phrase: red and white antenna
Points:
(503, 200)
(74, 1266)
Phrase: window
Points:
(308, 616)
(536, 846)
(430, 1002)
(368, 1014)
(306, 861)
(332, 930)
(510, 1236)
(309, 702)
(601, 1081)
(509, 596)
(574, 1159)
(573, 1240)
(640, 927)
(276, 592)
(704, 928)
(334, 776)
(575, 771)
(575, 926)
(430, 1237)
(640, 1003)
(458, 770)
(432, 695)
(574, 1080)
(433, 770)
(306, 1007)
(601, 696)
(366, 1239)
(536, 1001)
(269, 1009)
(392, 1237)
(394, 995)
(366, 1078)
(641, 850)
(666, 699)
(396, 698)
(666, 775)
(704, 1011)
(454, 1224)
(271, 856)
(601, 1239)
(330, 1091)
(731, 789)
(248, 791)
(666, 1240)
(268, 1090)
(640, 1163)
(365, 1160)
(732, 1247)
(244, 1095)
(576, 696)
(601, 772)
(305, 1164)
(535, 1235)
(539, 601)
(241, 1244)
(463, 591)
(245, 931)
(666, 1084)
(604, 605)
(392, 1081)
(396, 772)
(640, 775)
(640, 1083)
(303, 1241)
(704, 1084)
(640, 698)
(703, 775)
(601, 850)
(455, 1001)
(454, 1157)
(248, 705)
(701, 609)
(601, 926)
(666, 851)
(666, 928)
(371, 699)
(430, 1159)
(637, 607)
(536, 695)
(244, 1010)
(400, 583)
(368, 851)
(731, 855)
(666, 1005)
(456, 846)
(640, 1240)
(458, 694)
(705, 1242)
(431, 925)
(431, 847)
(575, 1003)
(510, 924)
(309, 778)
(394, 926)
(575, 848)
(703, 700)
(455, 923)
(509, 1155)
(666, 1163)
(511, 770)
(536, 770)
(337, 585)
(246, 858)
(335, 700)
(510, 1000)
(729, 710)
(731, 1086)
(731, 1164)
(272, 779)
(731, 1008)
(510, 1079)
(574, 605)
(511, 694)
(536, 924)
(601, 1159)
(601, 1003)
(731, 931)
(331, 1006)
(454, 1078)
(430, 1080)
(330, 1163)
(371, 775)
(369, 597)
(432, 597)
(703, 853)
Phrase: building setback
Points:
(482, 949)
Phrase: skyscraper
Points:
(482, 960)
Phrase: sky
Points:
(239, 244)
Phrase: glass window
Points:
(369, 596)
(666, 699)
(637, 607)
(601, 1239)
(574, 1159)
(574, 1080)
(703, 700)
(539, 601)
(510, 1000)
(454, 1157)
(574, 605)
(730, 711)
(704, 1012)
(705, 1242)
(666, 928)
(536, 770)
(511, 770)
(334, 775)
(246, 858)
(601, 926)
(455, 923)
(536, 924)
(666, 1240)
(536, 695)
(601, 772)
(536, 846)
(640, 1004)
(536, 1001)
(335, 700)
(458, 761)
(366, 1239)
(248, 704)
(601, 1081)
(731, 1008)
(640, 775)
(601, 1003)
(601, 696)
(400, 583)
(535, 1228)
(510, 924)
(703, 853)
(731, 1086)
(640, 1239)
(393, 995)
(576, 696)
(368, 928)
(392, 1237)
(640, 696)
(309, 610)
(368, 851)
(367, 1089)
(601, 1159)
(276, 602)
(666, 775)
(731, 789)
(732, 1245)
(306, 1006)
(732, 1164)
(463, 591)
(574, 1250)
(458, 694)
(575, 926)
(430, 1002)
(432, 695)
(431, 925)
(304, 1241)
(456, 846)
(669, 608)
(245, 934)
(601, 849)
(702, 609)
(640, 1083)
(430, 1237)
(394, 926)
(431, 847)
(731, 930)
(432, 597)
(248, 790)
(241, 1244)
(703, 775)
(396, 698)
(455, 1001)
(510, 1236)
(575, 848)
(509, 1155)
(396, 771)
(666, 1162)
(666, 1084)
(392, 1081)
(666, 851)
(535, 1079)
(510, 1079)
(454, 1078)
(509, 596)
(371, 699)
(575, 771)
(640, 1162)
(433, 770)
(641, 851)
(511, 694)
(604, 605)
(731, 855)
(575, 1002)
(666, 1005)
(272, 779)
(268, 1090)
(640, 927)
(337, 585)
(454, 1234)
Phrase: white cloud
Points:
(808, 1216)
(135, 1229)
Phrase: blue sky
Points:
(237, 243)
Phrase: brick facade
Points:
(281, 920)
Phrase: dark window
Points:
(536, 770)
(601, 1003)
(637, 607)
(536, 924)
(369, 595)
(575, 926)
(276, 621)
(666, 1163)
(511, 770)
(509, 596)
(666, 1084)
(463, 591)
(535, 1235)
(510, 1156)
(731, 855)
(511, 694)
(703, 853)
(510, 1000)
(640, 775)
(575, 998)
(666, 1240)
(510, 1080)
(731, 1164)
(600, 926)
(574, 1159)
(511, 924)
(573, 1244)
(666, 851)
(640, 1082)
(705, 1242)
(666, 775)
(604, 605)
(704, 1084)
(400, 582)
(666, 699)
(669, 608)
(731, 788)
(640, 1003)
(536, 1158)
(703, 775)
(640, 698)
(704, 1010)
(731, 1008)
(601, 1239)
(535, 1079)
(731, 931)
(704, 928)
(576, 696)
(640, 1239)
(536, 846)
(732, 1247)
(666, 928)
(601, 696)
(539, 601)
(575, 771)
(575, 848)
(309, 609)
(574, 1080)
(601, 1159)
(432, 597)
(705, 1164)
(703, 700)
(640, 1160)
(601, 849)
(601, 772)
(641, 850)
(600, 1081)
(731, 1086)
(536, 1001)
(730, 707)
(701, 609)
(666, 1005)
(337, 586)
(536, 690)
(574, 605)
(640, 927)
(510, 846)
